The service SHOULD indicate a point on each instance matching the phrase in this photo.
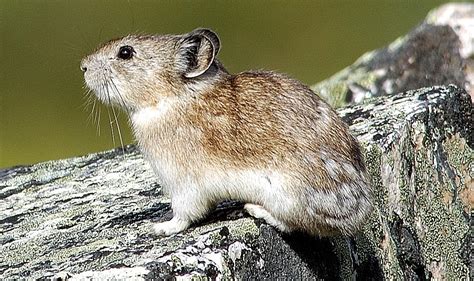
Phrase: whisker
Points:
(88, 93)
(98, 121)
(94, 115)
(122, 101)
(90, 117)
(108, 113)
(87, 99)
(118, 125)
(111, 126)
(118, 128)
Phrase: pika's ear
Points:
(197, 51)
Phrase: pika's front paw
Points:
(168, 228)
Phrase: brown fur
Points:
(260, 118)
(208, 133)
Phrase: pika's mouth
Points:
(99, 85)
(99, 81)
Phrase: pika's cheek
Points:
(92, 80)
(88, 78)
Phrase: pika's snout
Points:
(84, 64)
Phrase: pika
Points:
(258, 137)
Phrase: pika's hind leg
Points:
(259, 212)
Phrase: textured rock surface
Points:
(90, 217)
(438, 52)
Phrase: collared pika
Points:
(258, 137)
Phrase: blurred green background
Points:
(42, 106)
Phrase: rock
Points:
(90, 217)
(440, 51)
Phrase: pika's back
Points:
(265, 118)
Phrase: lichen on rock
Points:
(90, 217)
(437, 52)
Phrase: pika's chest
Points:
(168, 144)
(157, 127)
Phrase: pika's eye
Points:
(126, 52)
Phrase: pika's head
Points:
(137, 71)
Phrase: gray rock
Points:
(440, 51)
(90, 217)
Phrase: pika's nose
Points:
(84, 65)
